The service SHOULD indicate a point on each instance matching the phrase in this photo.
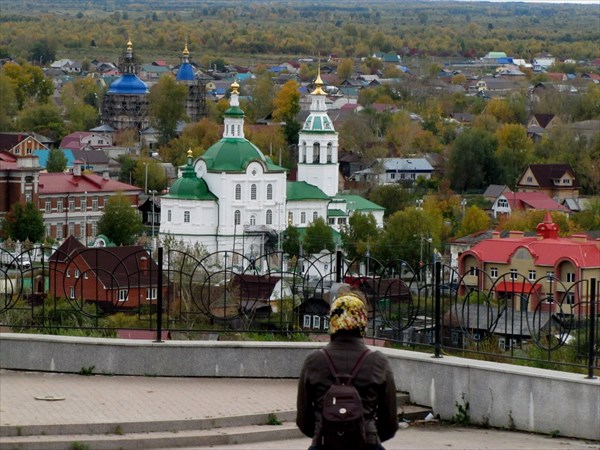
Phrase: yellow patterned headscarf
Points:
(347, 313)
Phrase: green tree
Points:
(515, 151)
(42, 52)
(319, 236)
(475, 220)
(473, 164)
(589, 218)
(345, 69)
(393, 197)
(149, 173)
(127, 167)
(57, 162)
(8, 105)
(167, 106)
(262, 90)
(44, 119)
(24, 223)
(120, 221)
(291, 242)
(360, 233)
(29, 83)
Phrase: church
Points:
(235, 198)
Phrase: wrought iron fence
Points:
(132, 292)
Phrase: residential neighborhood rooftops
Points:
(56, 183)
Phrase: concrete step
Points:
(155, 440)
(412, 413)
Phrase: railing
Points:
(112, 291)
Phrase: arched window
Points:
(237, 217)
(316, 152)
(253, 192)
(252, 219)
(329, 152)
(269, 217)
(238, 191)
(186, 216)
(269, 192)
(315, 216)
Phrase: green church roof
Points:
(189, 186)
(301, 190)
(356, 202)
(234, 155)
(234, 111)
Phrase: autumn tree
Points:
(475, 220)
(521, 220)
(8, 105)
(57, 162)
(24, 222)
(262, 90)
(500, 110)
(150, 175)
(589, 218)
(167, 106)
(44, 119)
(345, 69)
(287, 106)
(120, 221)
(198, 136)
(318, 237)
(29, 83)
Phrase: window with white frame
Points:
(237, 217)
(252, 219)
(532, 275)
(315, 216)
(269, 217)
(151, 294)
(514, 274)
(269, 192)
(238, 191)
(59, 206)
(325, 323)
(494, 272)
(72, 292)
(71, 204)
(473, 270)
(302, 217)
(342, 221)
(317, 322)
(186, 216)
(168, 215)
(253, 192)
(59, 230)
(306, 322)
(331, 221)
(569, 298)
(48, 206)
(94, 228)
(71, 228)
(95, 204)
(123, 295)
(290, 218)
(502, 203)
(570, 277)
(28, 198)
(76, 273)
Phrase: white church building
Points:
(235, 198)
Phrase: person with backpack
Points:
(346, 392)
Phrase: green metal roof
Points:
(356, 202)
(320, 123)
(234, 155)
(336, 213)
(301, 190)
(234, 111)
(189, 186)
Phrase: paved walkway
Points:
(55, 399)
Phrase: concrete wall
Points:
(501, 395)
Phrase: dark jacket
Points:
(374, 381)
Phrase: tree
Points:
(473, 164)
(120, 221)
(167, 106)
(57, 162)
(287, 106)
(24, 223)
(8, 105)
(44, 119)
(345, 69)
(262, 90)
(127, 167)
(42, 52)
(589, 218)
(500, 109)
(29, 83)
(393, 197)
(291, 243)
(360, 233)
(150, 175)
(515, 151)
(475, 220)
(319, 236)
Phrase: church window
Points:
(269, 218)
(290, 218)
(238, 191)
(168, 215)
(316, 152)
(329, 152)
(186, 216)
(252, 219)
(302, 217)
(237, 217)
(303, 159)
(315, 215)
(269, 192)
(253, 192)
(238, 131)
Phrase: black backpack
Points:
(342, 417)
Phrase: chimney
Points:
(495, 235)
(105, 175)
(77, 167)
(516, 234)
(144, 265)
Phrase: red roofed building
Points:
(545, 272)
(83, 139)
(18, 180)
(73, 203)
(508, 202)
(20, 144)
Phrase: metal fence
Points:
(166, 294)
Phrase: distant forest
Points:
(237, 29)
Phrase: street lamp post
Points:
(85, 218)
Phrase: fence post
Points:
(592, 339)
(159, 296)
(438, 310)
(338, 266)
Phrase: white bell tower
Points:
(318, 145)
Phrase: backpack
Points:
(342, 417)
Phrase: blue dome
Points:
(185, 72)
(129, 83)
